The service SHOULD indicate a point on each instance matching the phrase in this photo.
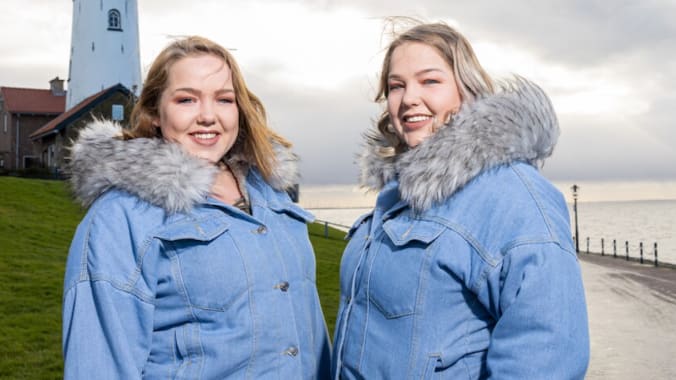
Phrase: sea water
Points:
(632, 221)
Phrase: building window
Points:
(114, 20)
(118, 112)
(5, 122)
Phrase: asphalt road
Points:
(632, 319)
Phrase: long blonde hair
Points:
(472, 80)
(255, 139)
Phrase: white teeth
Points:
(204, 135)
(416, 118)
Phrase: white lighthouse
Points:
(104, 48)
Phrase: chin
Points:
(413, 142)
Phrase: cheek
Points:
(229, 120)
(168, 132)
(235, 119)
(393, 107)
(450, 100)
(234, 134)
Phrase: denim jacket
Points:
(465, 269)
(161, 286)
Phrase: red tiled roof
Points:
(30, 100)
(76, 109)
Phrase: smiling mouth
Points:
(204, 136)
(414, 122)
(416, 118)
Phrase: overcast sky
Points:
(609, 67)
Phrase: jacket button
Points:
(283, 286)
(291, 351)
(261, 230)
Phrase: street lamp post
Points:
(575, 188)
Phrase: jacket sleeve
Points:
(107, 322)
(541, 328)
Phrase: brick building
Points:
(22, 112)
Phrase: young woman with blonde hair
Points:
(465, 268)
(192, 261)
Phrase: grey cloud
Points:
(34, 75)
(590, 149)
(630, 40)
(588, 32)
(325, 126)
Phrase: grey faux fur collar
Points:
(158, 172)
(517, 123)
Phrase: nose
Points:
(411, 96)
(206, 115)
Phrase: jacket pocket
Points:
(206, 264)
(400, 267)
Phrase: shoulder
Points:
(113, 239)
(123, 209)
(507, 206)
(516, 184)
(263, 194)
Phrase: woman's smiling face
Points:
(422, 92)
(198, 108)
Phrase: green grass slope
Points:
(37, 222)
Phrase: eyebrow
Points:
(419, 73)
(196, 91)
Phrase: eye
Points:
(227, 100)
(431, 81)
(394, 86)
(184, 100)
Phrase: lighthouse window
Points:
(114, 20)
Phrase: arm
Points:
(541, 327)
(106, 332)
(107, 324)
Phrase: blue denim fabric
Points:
(211, 294)
(485, 285)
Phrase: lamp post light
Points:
(575, 188)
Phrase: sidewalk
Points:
(632, 318)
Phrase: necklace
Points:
(241, 203)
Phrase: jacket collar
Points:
(517, 123)
(156, 171)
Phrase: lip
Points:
(201, 140)
(410, 126)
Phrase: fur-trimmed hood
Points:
(516, 123)
(156, 171)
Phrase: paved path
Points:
(632, 319)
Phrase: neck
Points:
(225, 187)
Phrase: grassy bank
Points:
(37, 221)
(328, 252)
